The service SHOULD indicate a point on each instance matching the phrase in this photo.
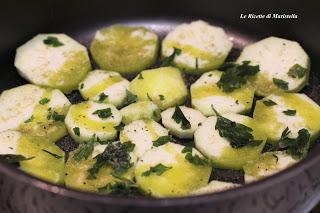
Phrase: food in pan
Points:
(158, 131)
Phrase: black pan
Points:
(296, 189)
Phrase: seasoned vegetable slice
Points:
(202, 47)
(283, 63)
(53, 60)
(230, 140)
(169, 171)
(90, 119)
(182, 121)
(205, 92)
(163, 86)
(104, 87)
(124, 49)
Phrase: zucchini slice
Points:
(104, 87)
(206, 93)
(165, 171)
(202, 47)
(215, 186)
(284, 65)
(124, 49)
(163, 86)
(142, 133)
(294, 111)
(140, 110)
(53, 60)
(220, 150)
(182, 121)
(90, 119)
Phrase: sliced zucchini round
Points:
(215, 186)
(182, 121)
(268, 164)
(142, 133)
(217, 148)
(163, 86)
(34, 110)
(53, 60)
(124, 49)
(294, 111)
(140, 110)
(202, 47)
(90, 119)
(164, 171)
(284, 65)
(206, 93)
(104, 87)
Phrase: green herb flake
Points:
(290, 112)
(130, 98)
(81, 85)
(84, 151)
(187, 149)
(162, 140)
(179, 117)
(103, 113)
(237, 134)
(76, 131)
(269, 103)
(52, 41)
(169, 61)
(52, 154)
(44, 101)
(148, 96)
(281, 83)
(125, 188)
(297, 71)
(140, 76)
(161, 97)
(159, 169)
(236, 75)
(196, 160)
(55, 116)
(10, 158)
(102, 97)
(119, 127)
(29, 119)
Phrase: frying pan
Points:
(296, 189)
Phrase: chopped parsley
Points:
(158, 169)
(116, 155)
(9, 158)
(52, 41)
(296, 147)
(187, 149)
(44, 101)
(103, 113)
(237, 134)
(76, 131)
(84, 151)
(124, 188)
(179, 117)
(102, 97)
(194, 159)
(81, 85)
(281, 83)
(29, 119)
(140, 76)
(162, 140)
(161, 97)
(52, 154)
(150, 99)
(131, 98)
(55, 116)
(169, 61)
(119, 127)
(297, 71)
(290, 112)
(236, 75)
(269, 103)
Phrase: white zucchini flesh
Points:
(9, 140)
(193, 116)
(215, 186)
(261, 169)
(203, 47)
(110, 83)
(205, 93)
(307, 115)
(142, 133)
(180, 179)
(83, 116)
(61, 67)
(275, 56)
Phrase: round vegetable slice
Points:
(170, 170)
(230, 140)
(89, 119)
(124, 49)
(196, 47)
(104, 87)
(53, 60)
(163, 86)
(182, 121)
(206, 93)
(284, 65)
